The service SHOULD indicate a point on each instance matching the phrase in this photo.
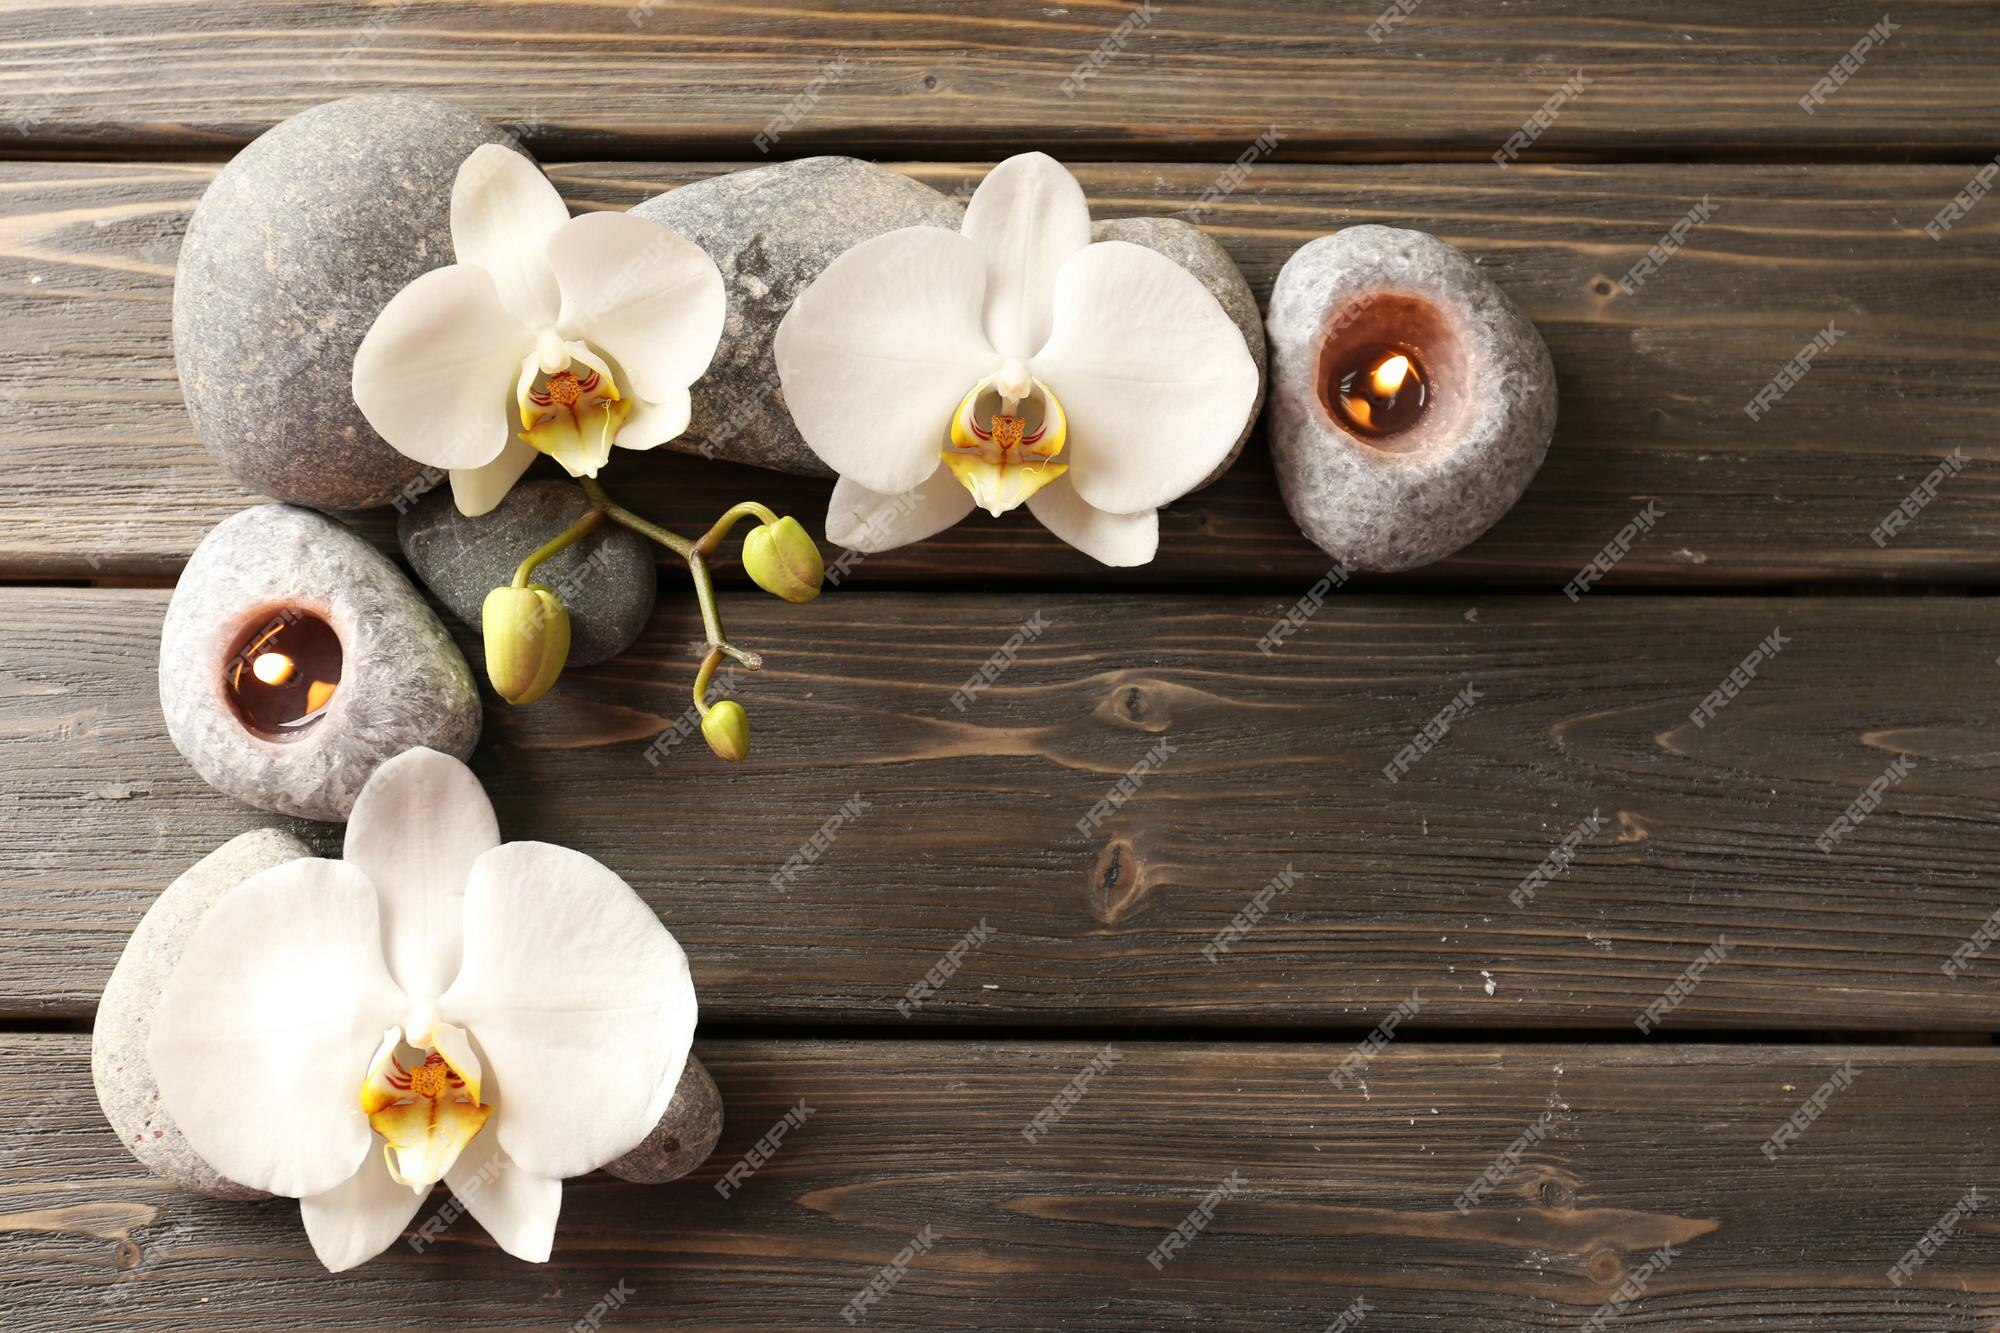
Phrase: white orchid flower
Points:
(436, 1006)
(1010, 362)
(589, 329)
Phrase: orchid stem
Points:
(569, 536)
(713, 537)
(703, 677)
(691, 552)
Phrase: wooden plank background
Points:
(971, 815)
(1452, 79)
(1344, 1194)
(113, 120)
(110, 481)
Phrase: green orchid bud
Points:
(527, 641)
(783, 560)
(726, 728)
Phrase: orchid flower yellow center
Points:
(426, 1111)
(1005, 435)
(570, 405)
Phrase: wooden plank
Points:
(1341, 1196)
(1706, 835)
(1107, 78)
(109, 481)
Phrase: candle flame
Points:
(1388, 376)
(273, 668)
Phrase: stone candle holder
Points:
(295, 660)
(1411, 400)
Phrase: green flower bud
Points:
(726, 728)
(527, 641)
(783, 560)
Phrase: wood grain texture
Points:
(1342, 1195)
(1702, 78)
(1707, 834)
(108, 481)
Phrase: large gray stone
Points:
(118, 1063)
(1200, 254)
(772, 231)
(1418, 496)
(607, 581)
(403, 681)
(292, 252)
(684, 1137)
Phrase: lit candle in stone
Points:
(283, 674)
(1379, 391)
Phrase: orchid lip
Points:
(1003, 445)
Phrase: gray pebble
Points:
(118, 1061)
(772, 231)
(608, 580)
(403, 681)
(1200, 254)
(1421, 495)
(684, 1137)
(292, 252)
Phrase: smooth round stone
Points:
(1407, 499)
(772, 231)
(403, 681)
(684, 1137)
(291, 254)
(118, 1062)
(607, 581)
(1199, 253)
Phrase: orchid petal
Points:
(359, 1218)
(1112, 539)
(580, 1000)
(1155, 377)
(479, 490)
(264, 1030)
(654, 421)
(864, 520)
(432, 373)
(503, 212)
(649, 297)
(517, 1208)
(1027, 217)
(418, 826)
(877, 352)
